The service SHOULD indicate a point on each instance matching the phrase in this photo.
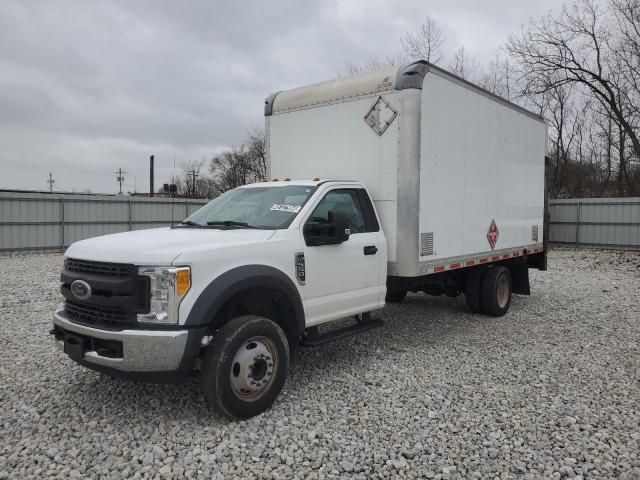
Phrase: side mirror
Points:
(327, 233)
(341, 227)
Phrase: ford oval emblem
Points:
(81, 289)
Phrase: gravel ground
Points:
(552, 390)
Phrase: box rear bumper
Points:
(156, 356)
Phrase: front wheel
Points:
(245, 366)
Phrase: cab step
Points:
(330, 336)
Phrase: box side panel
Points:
(481, 161)
(334, 142)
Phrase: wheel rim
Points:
(253, 368)
(502, 292)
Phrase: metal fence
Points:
(40, 221)
(596, 222)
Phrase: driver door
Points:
(343, 279)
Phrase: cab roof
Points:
(302, 182)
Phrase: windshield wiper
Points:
(230, 223)
(189, 223)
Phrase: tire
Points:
(245, 367)
(472, 288)
(395, 297)
(496, 291)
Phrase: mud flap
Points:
(520, 278)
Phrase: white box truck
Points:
(403, 180)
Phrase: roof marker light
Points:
(316, 179)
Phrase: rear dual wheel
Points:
(495, 293)
(488, 290)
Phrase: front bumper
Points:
(157, 356)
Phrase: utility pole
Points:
(120, 178)
(193, 174)
(51, 181)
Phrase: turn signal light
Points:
(183, 282)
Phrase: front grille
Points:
(118, 293)
(99, 316)
(136, 298)
(99, 268)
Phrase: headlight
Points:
(169, 285)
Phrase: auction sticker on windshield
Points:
(283, 207)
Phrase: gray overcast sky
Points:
(87, 86)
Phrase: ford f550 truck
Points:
(408, 179)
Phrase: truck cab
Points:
(229, 290)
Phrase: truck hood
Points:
(160, 246)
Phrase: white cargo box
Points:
(456, 173)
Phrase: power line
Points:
(120, 178)
(51, 181)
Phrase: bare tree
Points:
(230, 169)
(370, 65)
(184, 181)
(575, 48)
(597, 145)
(190, 175)
(498, 77)
(463, 65)
(565, 116)
(257, 149)
(625, 48)
(236, 166)
(240, 165)
(426, 43)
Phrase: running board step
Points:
(332, 335)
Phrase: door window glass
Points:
(340, 201)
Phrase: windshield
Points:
(255, 207)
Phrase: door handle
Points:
(370, 250)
